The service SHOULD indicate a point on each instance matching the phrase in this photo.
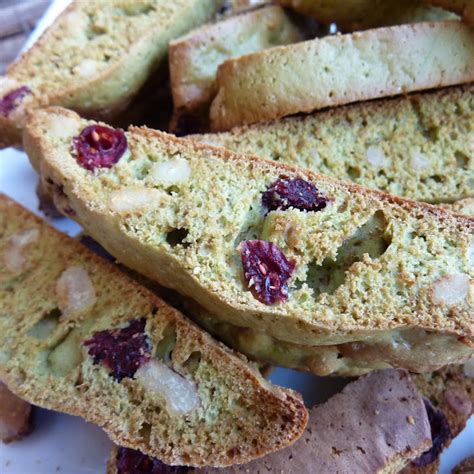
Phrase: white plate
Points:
(67, 444)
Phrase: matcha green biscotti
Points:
(95, 57)
(341, 69)
(79, 336)
(195, 57)
(385, 411)
(300, 255)
(420, 146)
(365, 429)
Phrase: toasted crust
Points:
(214, 278)
(96, 56)
(16, 416)
(417, 146)
(338, 70)
(51, 368)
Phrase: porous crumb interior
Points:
(423, 144)
(188, 239)
(43, 358)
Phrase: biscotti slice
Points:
(78, 336)
(465, 8)
(302, 256)
(376, 424)
(195, 57)
(353, 15)
(95, 57)
(450, 392)
(419, 146)
(341, 69)
(16, 416)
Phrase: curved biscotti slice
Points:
(419, 146)
(307, 258)
(95, 57)
(353, 15)
(465, 8)
(377, 424)
(78, 336)
(195, 57)
(341, 69)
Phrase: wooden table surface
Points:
(17, 19)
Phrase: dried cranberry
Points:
(297, 193)
(130, 461)
(100, 147)
(266, 270)
(440, 433)
(123, 350)
(10, 101)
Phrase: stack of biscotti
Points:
(195, 57)
(373, 279)
(337, 70)
(78, 336)
(420, 146)
(387, 417)
(95, 57)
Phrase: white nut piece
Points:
(376, 156)
(62, 127)
(171, 172)
(86, 68)
(419, 162)
(7, 84)
(179, 393)
(14, 254)
(75, 291)
(134, 199)
(451, 289)
(468, 368)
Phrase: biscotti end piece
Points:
(419, 146)
(348, 264)
(341, 69)
(84, 339)
(351, 15)
(16, 416)
(376, 424)
(195, 57)
(95, 57)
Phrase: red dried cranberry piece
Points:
(297, 193)
(123, 350)
(440, 433)
(10, 101)
(266, 270)
(99, 147)
(130, 461)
